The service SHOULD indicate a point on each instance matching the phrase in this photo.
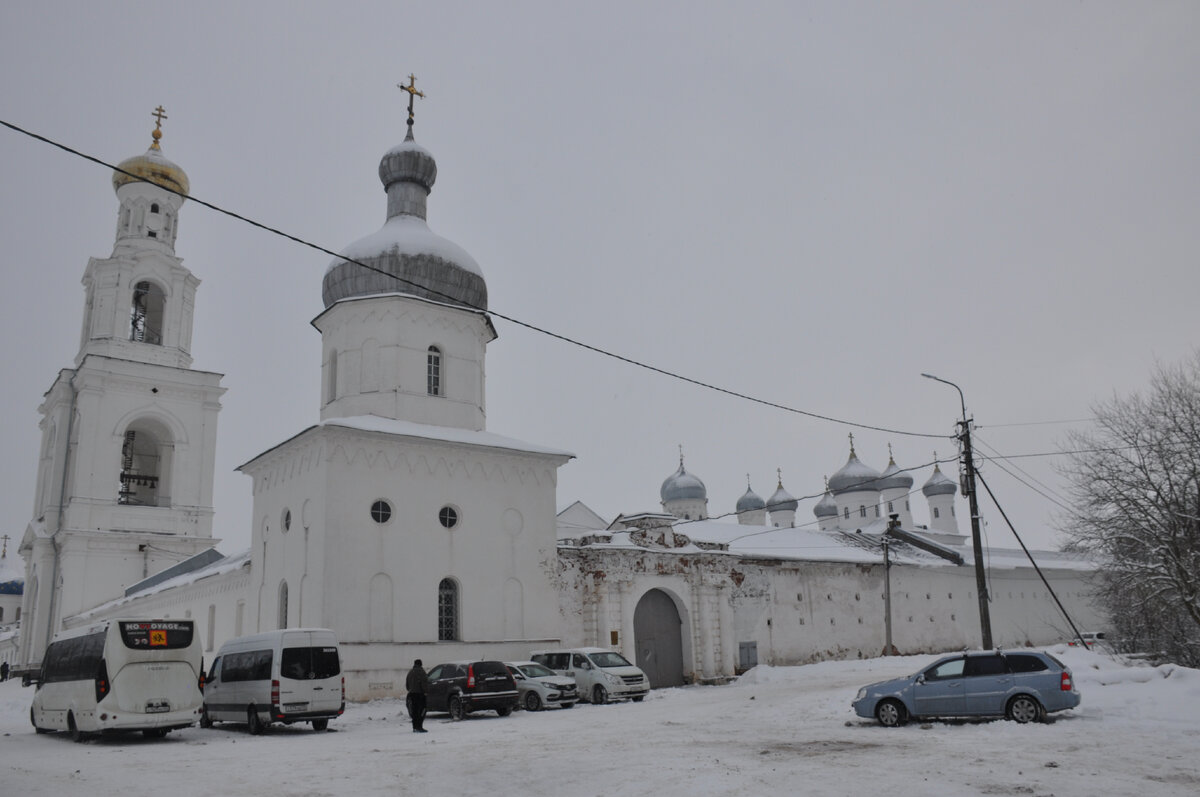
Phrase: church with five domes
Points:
(399, 520)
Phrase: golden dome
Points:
(152, 167)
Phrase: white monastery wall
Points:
(805, 611)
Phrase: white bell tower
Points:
(125, 474)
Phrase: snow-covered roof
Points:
(424, 431)
(809, 544)
(409, 235)
(222, 566)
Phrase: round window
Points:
(381, 511)
(448, 517)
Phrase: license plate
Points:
(294, 706)
(157, 708)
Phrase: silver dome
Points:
(826, 507)
(683, 486)
(751, 501)
(853, 477)
(782, 501)
(939, 484)
(405, 256)
(893, 478)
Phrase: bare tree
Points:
(1136, 484)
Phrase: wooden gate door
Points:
(656, 630)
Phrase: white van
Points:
(120, 675)
(289, 675)
(601, 675)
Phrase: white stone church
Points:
(400, 522)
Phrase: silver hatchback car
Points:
(1022, 685)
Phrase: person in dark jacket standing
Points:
(416, 684)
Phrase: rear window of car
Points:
(1023, 662)
(306, 663)
(490, 668)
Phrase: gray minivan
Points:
(285, 676)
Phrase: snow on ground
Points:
(776, 731)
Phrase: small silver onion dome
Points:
(826, 507)
(750, 501)
(681, 485)
(893, 478)
(781, 501)
(939, 484)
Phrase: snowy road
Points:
(778, 731)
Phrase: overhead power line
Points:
(487, 311)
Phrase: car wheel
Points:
(1023, 709)
(890, 713)
(532, 701)
(599, 695)
(638, 699)
(320, 725)
(76, 734)
(504, 711)
(253, 724)
(568, 705)
(205, 720)
(456, 708)
(154, 733)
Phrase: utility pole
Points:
(985, 620)
(888, 648)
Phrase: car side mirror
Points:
(921, 678)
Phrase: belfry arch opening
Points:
(146, 313)
(145, 464)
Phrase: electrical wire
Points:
(1049, 493)
(493, 313)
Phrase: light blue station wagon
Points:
(1022, 685)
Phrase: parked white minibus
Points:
(120, 675)
(289, 675)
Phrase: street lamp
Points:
(985, 620)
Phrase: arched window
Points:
(862, 511)
(935, 512)
(447, 610)
(891, 509)
(331, 387)
(847, 511)
(146, 313)
(146, 452)
(283, 604)
(433, 371)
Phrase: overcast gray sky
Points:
(811, 203)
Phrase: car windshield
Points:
(609, 659)
(535, 670)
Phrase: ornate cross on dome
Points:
(159, 114)
(779, 476)
(852, 444)
(411, 88)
